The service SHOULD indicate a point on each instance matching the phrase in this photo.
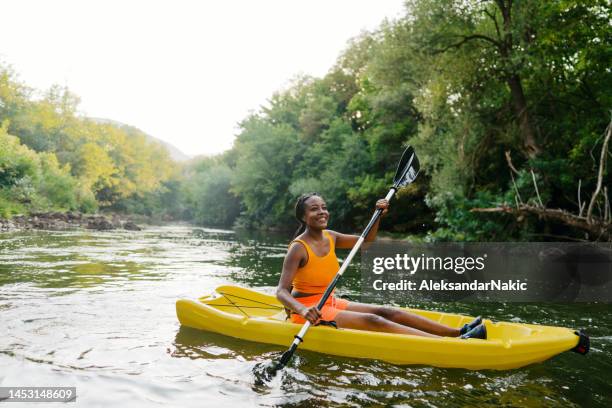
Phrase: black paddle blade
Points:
(407, 169)
(264, 373)
(286, 357)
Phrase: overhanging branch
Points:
(467, 38)
(598, 229)
(602, 165)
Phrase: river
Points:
(96, 310)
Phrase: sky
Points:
(183, 71)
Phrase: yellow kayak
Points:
(254, 316)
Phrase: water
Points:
(95, 310)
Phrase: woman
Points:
(311, 264)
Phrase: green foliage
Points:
(213, 202)
(8, 205)
(263, 172)
(469, 107)
(458, 223)
(58, 160)
(16, 161)
(33, 181)
(56, 184)
(468, 83)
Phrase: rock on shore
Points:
(57, 221)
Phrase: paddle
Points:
(406, 173)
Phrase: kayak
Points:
(250, 315)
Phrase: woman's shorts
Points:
(331, 308)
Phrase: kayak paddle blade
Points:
(264, 373)
(407, 169)
(286, 357)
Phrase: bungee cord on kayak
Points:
(240, 307)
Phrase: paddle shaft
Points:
(405, 175)
(300, 336)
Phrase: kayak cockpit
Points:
(249, 304)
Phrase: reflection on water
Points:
(194, 344)
(96, 311)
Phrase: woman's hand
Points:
(383, 204)
(312, 314)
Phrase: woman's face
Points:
(315, 213)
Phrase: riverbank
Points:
(56, 221)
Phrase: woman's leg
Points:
(369, 321)
(405, 318)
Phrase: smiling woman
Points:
(311, 264)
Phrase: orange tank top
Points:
(315, 276)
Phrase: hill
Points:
(175, 153)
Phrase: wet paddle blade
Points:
(286, 357)
(407, 169)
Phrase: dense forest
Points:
(52, 159)
(506, 102)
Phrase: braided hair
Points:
(300, 210)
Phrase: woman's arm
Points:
(294, 257)
(346, 241)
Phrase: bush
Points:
(31, 181)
